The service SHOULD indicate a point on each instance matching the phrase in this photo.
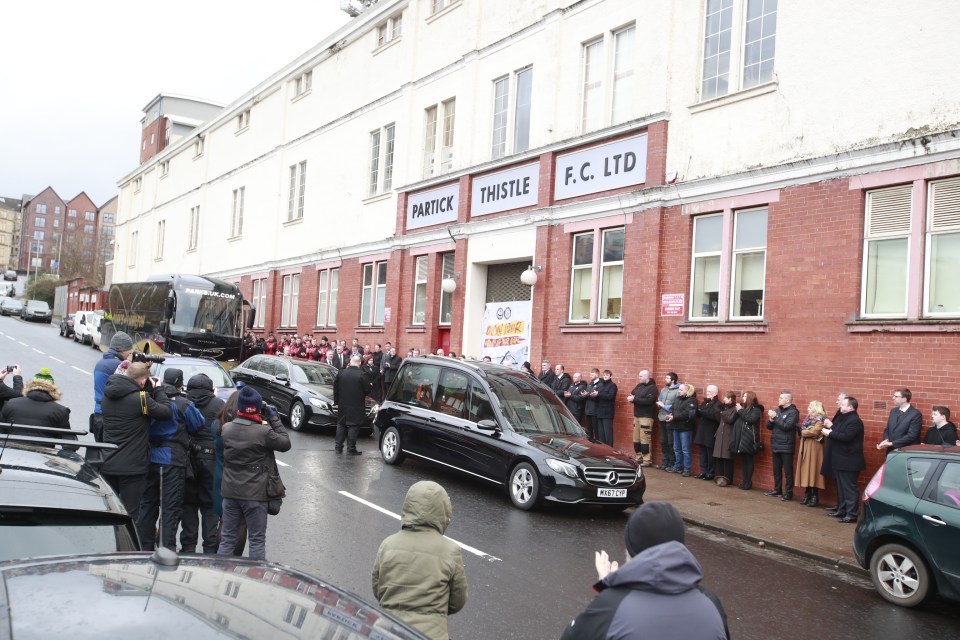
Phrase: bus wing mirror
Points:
(251, 317)
(168, 309)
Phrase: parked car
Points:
(301, 390)
(10, 307)
(52, 502)
(94, 329)
(505, 427)
(162, 595)
(82, 322)
(10, 274)
(36, 311)
(66, 326)
(907, 537)
(223, 384)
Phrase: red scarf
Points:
(253, 415)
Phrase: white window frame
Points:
(950, 228)
(259, 301)
(591, 85)
(869, 238)
(372, 293)
(132, 261)
(296, 195)
(40, 208)
(596, 266)
(506, 120)
(89, 216)
(302, 84)
(164, 168)
(137, 186)
(194, 228)
(41, 222)
(623, 74)
(290, 300)
(694, 256)
(236, 212)
(733, 265)
(198, 146)
(421, 268)
(430, 122)
(447, 266)
(600, 275)
(738, 27)
(381, 156)
(328, 284)
(161, 232)
(243, 121)
(389, 30)
(574, 268)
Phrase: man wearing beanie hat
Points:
(657, 592)
(121, 346)
(38, 407)
(248, 446)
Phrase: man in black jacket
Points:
(575, 396)
(903, 425)
(706, 437)
(783, 422)
(349, 393)
(657, 592)
(129, 403)
(561, 381)
(845, 435)
(546, 374)
(644, 400)
(390, 364)
(38, 407)
(198, 512)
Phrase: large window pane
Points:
(583, 249)
(334, 287)
(322, 298)
(446, 299)
(501, 95)
(285, 308)
(374, 163)
(611, 292)
(623, 75)
(716, 49)
(708, 232)
(748, 284)
(751, 231)
(381, 292)
(886, 281)
(294, 300)
(759, 42)
(592, 86)
(521, 136)
(706, 287)
(613, 245)
(366, 296)
(944, 292)
(420, 291)
(580, 295)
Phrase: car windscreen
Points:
(216, 374)
(311, 374)
(30, 533)
(530, 408)
(38, 304)
(10, 303)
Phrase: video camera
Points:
(139, 356)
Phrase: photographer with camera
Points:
(248, 443)
(130, 402)
(121, 346)
(6, 393)
(198, 509)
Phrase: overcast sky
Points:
(74, 76)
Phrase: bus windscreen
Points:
(207, 311)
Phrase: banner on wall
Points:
(506, 332)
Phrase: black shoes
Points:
(338, 451)
(686, 474)
(354, 453)
(701, 476)
(847, 520)
(814, 501)
(833, 513)
(773, 493)
(787, 497)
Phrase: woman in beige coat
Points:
(810, 456)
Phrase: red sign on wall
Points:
(671, 304)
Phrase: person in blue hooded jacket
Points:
(169, 457)
(657, 592)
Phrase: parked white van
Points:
(82, 324)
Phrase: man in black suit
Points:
(903, 425)
(845, 436)
(390, 365)
(349, 393)
(340, 359)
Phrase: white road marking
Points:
(282, 463)
(395, 516)
(58, 360)
(11, 338)
(38, 351)
(79, 369)
(23, 343)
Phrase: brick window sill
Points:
(904, 326)
(368, 329)
(416, 329)
(722, 327)
(591, 328)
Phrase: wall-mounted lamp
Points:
(529, 277)
(449, 285)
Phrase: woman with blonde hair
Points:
(810, 456)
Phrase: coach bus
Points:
(182, 315)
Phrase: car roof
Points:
(196, 596)
(35, 476)
(287, 360)
(170, 360)
(485, 369)
(937, 449)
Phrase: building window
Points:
(624, 78)
(420, 290)
(161, 228)
(446, 299)
(592, 109)
(108, 218)
(329, 284)
(56, 210)
(297, 191)
(194, 227)
(722, 33)
(56, 222)
(438, 145)
(72, 213)
(137, 185)
(438, 5)
(231, 589)
(38, 235)
(198, 147)
(302, 84)
(743, 299)
(390, 30)
(88, 228)
(295, 615)
(71, 226)
(291, 297)
(41, 208)
(518, 118)
(164, 168)
(133, 249)
(236, 221)
(374, 292)
(259, 301)
(153, 138)
(243, 121)
(588, 262)
(381, 155)
(892, 237)
(429, 140)
(42, 222)
(89, 216)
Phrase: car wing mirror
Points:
(488, 425)
(282, 377)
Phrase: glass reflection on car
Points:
(311, 374)
(529, 409)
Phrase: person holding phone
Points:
(6, 393)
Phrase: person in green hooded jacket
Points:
(419, 575)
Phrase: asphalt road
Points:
(528, 573)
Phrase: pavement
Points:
(766, 521)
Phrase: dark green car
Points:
(909, 535)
